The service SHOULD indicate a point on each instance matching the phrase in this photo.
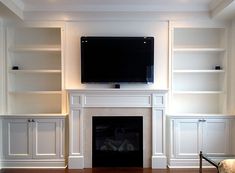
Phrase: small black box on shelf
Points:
(15, 68)
(217, 67)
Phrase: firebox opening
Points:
(117, 141)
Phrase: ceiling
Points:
(41, 9)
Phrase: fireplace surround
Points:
(88, 103)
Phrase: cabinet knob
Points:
(29, 120)
(33, 120)
(202, 120)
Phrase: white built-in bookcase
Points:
(37, 86)
(196, 86)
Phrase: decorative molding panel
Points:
(117, 101)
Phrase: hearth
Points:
(117, 141)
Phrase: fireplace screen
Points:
(117, 142)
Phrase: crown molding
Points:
(84, 16)
(16, 6)
(223, 9)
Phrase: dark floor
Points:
(107, 170)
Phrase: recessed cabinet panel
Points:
(187, 138)
(216, 136)
(17, 138)
(46, 138)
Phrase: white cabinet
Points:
(198, 69)
(186, 138)
(33, 139)
(46, 138)
(216, 136)
(17, 134)
(35, 70)
(191, 135)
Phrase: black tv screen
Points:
(117, 59)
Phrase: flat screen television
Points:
(117, 59)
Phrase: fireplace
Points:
(117, 141)
(85, 104)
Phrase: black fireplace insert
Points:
(117, 141)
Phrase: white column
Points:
(76, 149)
(159, 159)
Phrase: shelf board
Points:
(197, 92)
(198, 49)
(36, 48)
(35, 71)
(35, 115)
(35, 92)
(198, 71)
(193, 115)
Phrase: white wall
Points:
(74, 30)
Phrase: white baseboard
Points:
(60, 163)
(187, 163)
(76, 162)
(159, 162)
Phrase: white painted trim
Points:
(154, 99)
(159, 100)
(159, 159)
(120, 7)
(76, 162)
(76, 140)
(223, 9)
(1, 144)
(114, 16)
(15, 7)
(159, 162)
(49, 163)
(117, 100)
(2, 69)
(187, 163)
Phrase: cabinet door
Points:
(46, 138)
(187, 138)
(216, 136)
(17, 138)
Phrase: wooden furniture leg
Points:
(200, 164)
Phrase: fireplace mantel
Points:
(80, 99)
